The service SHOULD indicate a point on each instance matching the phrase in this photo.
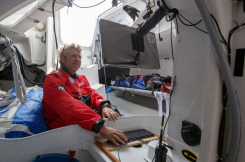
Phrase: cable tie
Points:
(41, 9)
(34, 20)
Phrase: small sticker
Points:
(81, 84)
(189, 155)
(58, 72)
(151, 38)
(71, 80)
(61, 88)
(35, 87)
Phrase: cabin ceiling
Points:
(10, 6)
(37, 11)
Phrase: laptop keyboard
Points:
(135, 135)
(138, 134)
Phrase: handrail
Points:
(228, 79)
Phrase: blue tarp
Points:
(28, 118)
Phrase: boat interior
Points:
(196, 46)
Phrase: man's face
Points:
(72, 61)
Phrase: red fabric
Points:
(163, 89)
(72, 154)
(60, 106)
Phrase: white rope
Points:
(18, 79)
(159, 97)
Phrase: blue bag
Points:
(115, 81)
(138, 82)
(126, 81)
(141, 81)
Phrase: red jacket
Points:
(62, 102)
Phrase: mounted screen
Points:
(120, 46)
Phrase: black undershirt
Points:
(62, 67)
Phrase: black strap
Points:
(137, 58)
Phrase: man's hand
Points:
(113, 135)
(108, 112)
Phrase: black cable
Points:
(194, 25)
(217, 25)
(224, 41)
(160, 39)
(224, 100)
(161, 133)
(232, 31)
(56, 42)
(166, 122)
(173, 11)
(118, 155)
(153, 158)
(118, 152)
(20, 58)
(34, 64)
(86, 6)
(31, 64)
(191, 24)
(177, 26)
(171, 35)
(222, 123)
(54, 24)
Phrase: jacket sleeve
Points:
(58, 98)
(97, 100)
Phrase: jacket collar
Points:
(63, 68)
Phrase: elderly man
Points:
(68, 99)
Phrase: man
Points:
(68, 99)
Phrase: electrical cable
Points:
(160, 39)
(118, 153)
(56, 42)
(153, 158)
(170, 17)
(22, 68)
(165, 124)
(106, 86)
(191, 24)
(232, 31)
(86, 6)
(177, 26)
(54, 24)
(224, 41)
(171, 35)
(31, 64)
(194, 25)
(224, 102)
(222, 123)
(236, 133)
